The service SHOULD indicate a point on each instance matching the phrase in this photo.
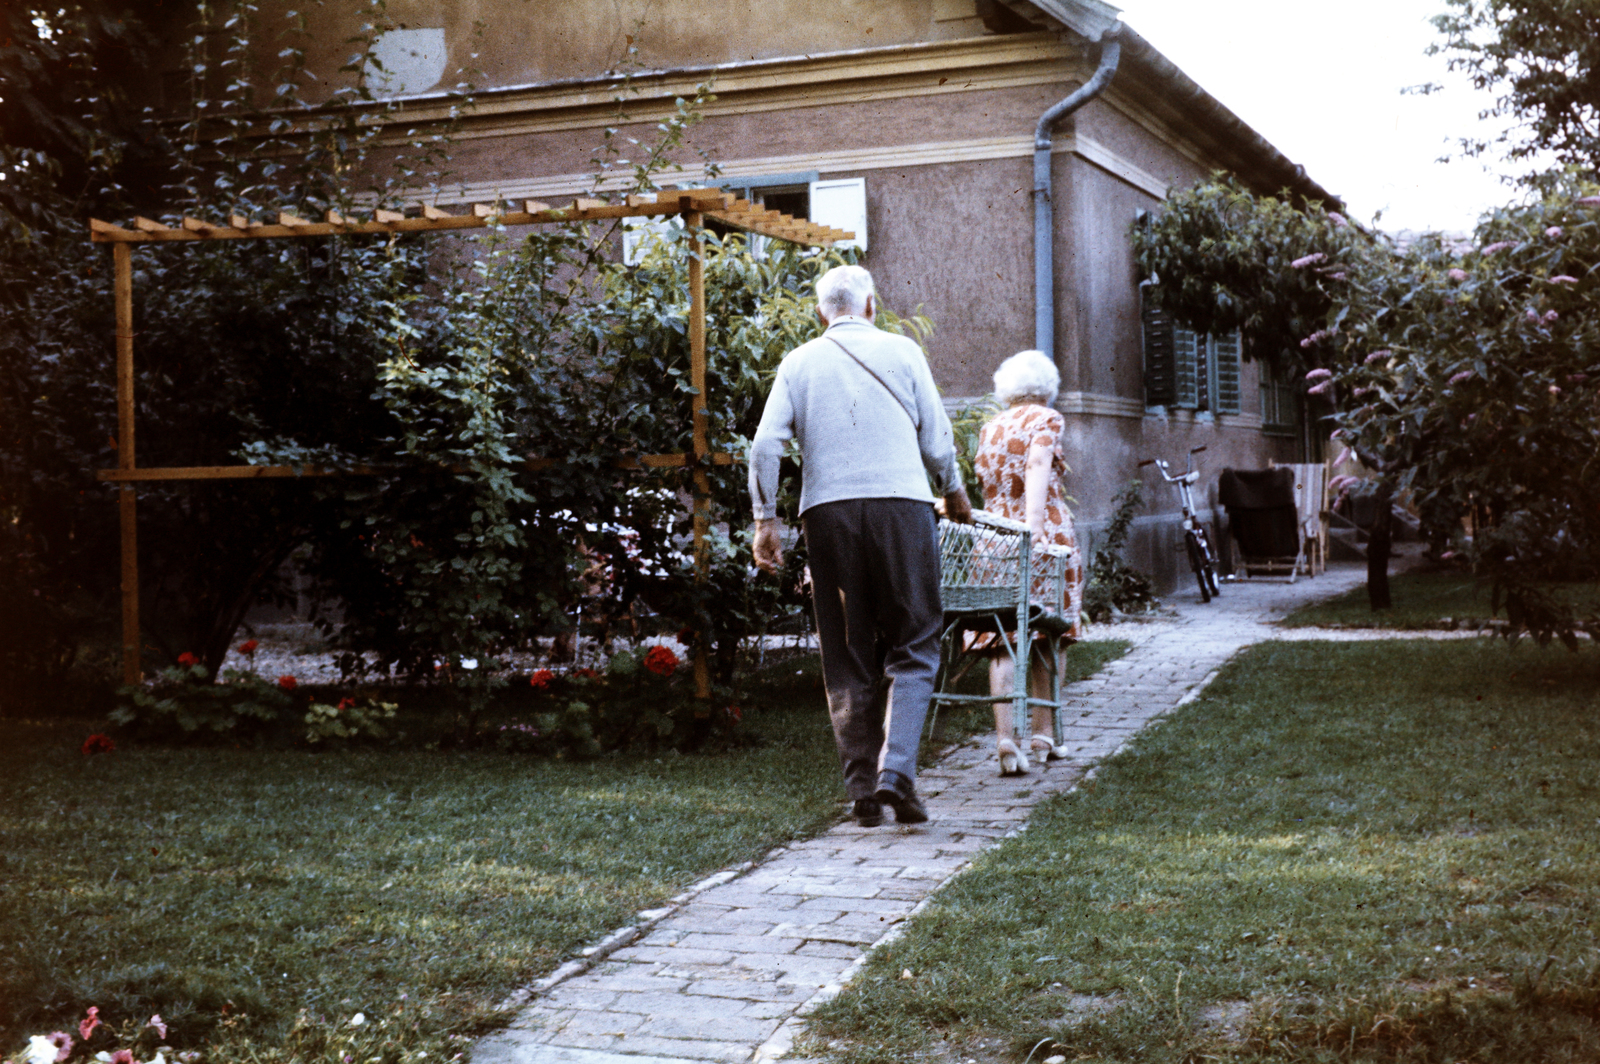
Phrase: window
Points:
(1186, 370)
(1280, 401)
(838, 202)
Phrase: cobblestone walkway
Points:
(726, 971)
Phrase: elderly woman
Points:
(1020, 465)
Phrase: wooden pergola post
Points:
(702, 483)
(132, 670)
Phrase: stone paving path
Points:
(726, 971)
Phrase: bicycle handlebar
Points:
(1147, 461)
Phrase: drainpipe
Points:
(1044, 268)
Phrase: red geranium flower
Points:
(249, 646)
(735, 714)
(661, 661)
(288, 683)
(90, 1021)
(346, 703)
(98, 744)
(186, 659)
(541, 678)
(587, 674)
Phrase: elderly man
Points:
(862, 405)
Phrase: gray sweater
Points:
(856, 440)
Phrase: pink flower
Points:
(541, 679)
(90, 1021)
(158, 1024)
(1588, 201)
(288, 683)
(1497, 247)
(1319, 335)
(1465, 374)
(186, 659)
(1533, 315)
(1338, 276)
(1555, 389)
(1448, 554)
(1337, 219)
(1550, 316)
(249, 646)
(123, 1056)
(63, 1043)
(1554, 232)
(1458, 274)
(1577, 378)
(1319, 375)
(1307, 260)
(1359, 392)
(1319, 389)
(1385, 353)
(1563, 278)
(661, 661)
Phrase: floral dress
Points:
(1002, 464)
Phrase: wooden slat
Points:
(293, 221)
(584, 203)
(150, 226)
(260, 472)
(533, 206)
(334, 218)
(430, 211)
(388, 222)
(483, 210)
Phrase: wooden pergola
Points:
(693, 205)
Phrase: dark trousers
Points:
(875, 581)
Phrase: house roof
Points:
(1178, 94)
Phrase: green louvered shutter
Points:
(1187, 350)
(1158, 353)
(1224, 372)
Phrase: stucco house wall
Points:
(933, 103)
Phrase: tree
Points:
(1467, 381)
(1542, 59)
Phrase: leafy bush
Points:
(1114, 586)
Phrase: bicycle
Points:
(1195, 540)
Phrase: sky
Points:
(1322, 82)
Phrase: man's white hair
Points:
(844, 290)
(1027, 375)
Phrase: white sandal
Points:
(1013, 762)
(1051, 752)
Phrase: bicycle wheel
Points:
(1197, 562)
(1208, 563)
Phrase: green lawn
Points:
(258, 898)
(1421, 600)
(1379, 851)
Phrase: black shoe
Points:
(868, 812)
(897, 792)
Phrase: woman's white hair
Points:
(844, 290)
(1027, 375)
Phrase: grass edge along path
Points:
(261, 900)
(1369, 851)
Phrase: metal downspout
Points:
(1044, 267)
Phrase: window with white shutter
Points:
(842, 204)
